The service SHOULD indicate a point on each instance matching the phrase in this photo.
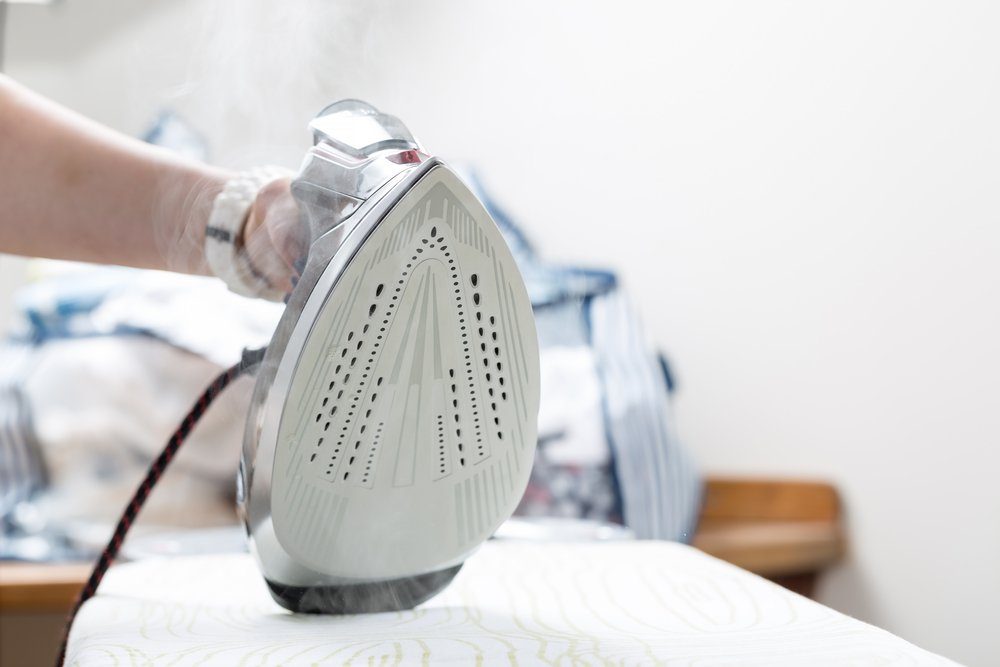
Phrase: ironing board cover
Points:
(513, 603)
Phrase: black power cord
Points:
(250, 360)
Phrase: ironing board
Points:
(513, 603)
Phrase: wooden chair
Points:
(785, 530)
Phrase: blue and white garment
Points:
(22, 471)
(659, 486)
(589, 335)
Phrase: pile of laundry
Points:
(102, 363)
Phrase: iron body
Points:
(393, 423)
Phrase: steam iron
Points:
(393, 423)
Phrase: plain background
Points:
(803, 199)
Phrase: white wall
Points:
(801, 197)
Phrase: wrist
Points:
(183, 211)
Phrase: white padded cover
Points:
(616, 603)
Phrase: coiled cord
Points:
(250, 359)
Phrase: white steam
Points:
(260, 70)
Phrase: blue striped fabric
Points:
(660, 487)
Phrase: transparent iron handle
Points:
(359, 130)
(357, 149)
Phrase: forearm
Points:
(73, 189)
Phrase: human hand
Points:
(274, 237)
